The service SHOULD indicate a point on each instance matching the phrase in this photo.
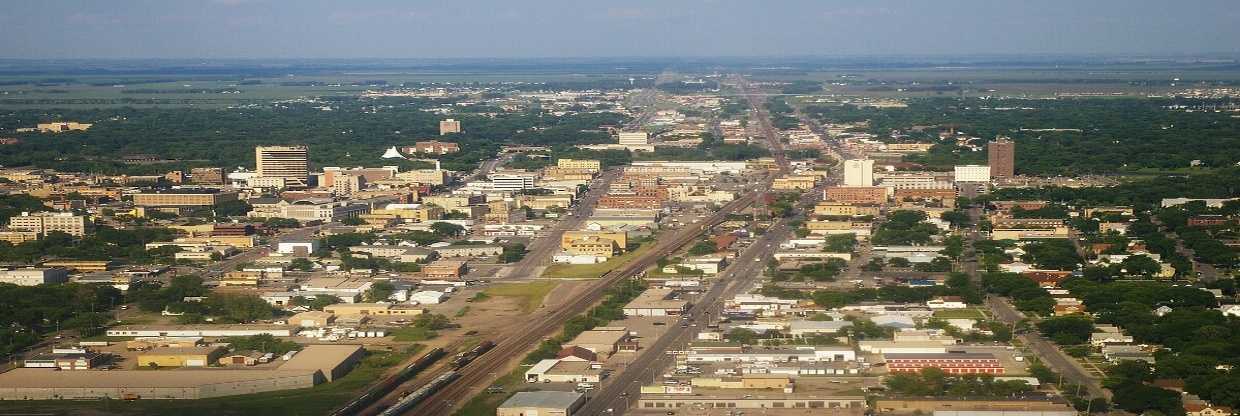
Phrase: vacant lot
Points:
(527, 295)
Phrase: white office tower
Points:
(634, 138)
(972, 173)
(859, 172)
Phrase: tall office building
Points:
(859, 172)
(1002, 155)
(288, 162)
(449, 126)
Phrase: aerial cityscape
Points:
(724, 208)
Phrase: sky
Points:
(43, 29)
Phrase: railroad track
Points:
(482, 371)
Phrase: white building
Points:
(33, 276)
(972, 173)
(634, 138)
(859, 172)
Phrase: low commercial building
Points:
(470, 250)
(603, 341)
(656, 302)
(74, 360)
(541, 403)
(808, 355)
(81, 266)
(313, 365)
(180, 357)
(674, 401)
(214, 331)
(445, 269)
(372, 309)
(973, 407)
(950, 363)
(566, 370)
(329, 361)
(34, 276)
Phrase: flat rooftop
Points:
(180, 378)
(545, 399)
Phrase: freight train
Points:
(387, 385)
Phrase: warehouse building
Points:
(314, 365)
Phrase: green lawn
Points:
(413, 334)
(966, 313)
(593, 271)
(529, 295)
(316, 401)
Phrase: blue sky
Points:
(597, 28)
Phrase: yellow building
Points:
(591, 246)
(84, 266)
(62, 126)
(180, 357)
(241, 278)
(620, 238)
(790, 183)
(239, 241)
(591, 165)
(408, 213)
(18, 236)
(836, 209)
(377, 309)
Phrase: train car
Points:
(386, 386)
(412, 399)
(467, 357)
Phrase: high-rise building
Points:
(449, 126)
(634, 138)
(1002, 156)
(288, 162)
(859, 172)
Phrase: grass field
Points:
(529, 295)
(593, 271)
(413, 334)
(315, 401)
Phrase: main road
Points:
(1002, 309)
(746, 269)
(543, 247)
(524, 336)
